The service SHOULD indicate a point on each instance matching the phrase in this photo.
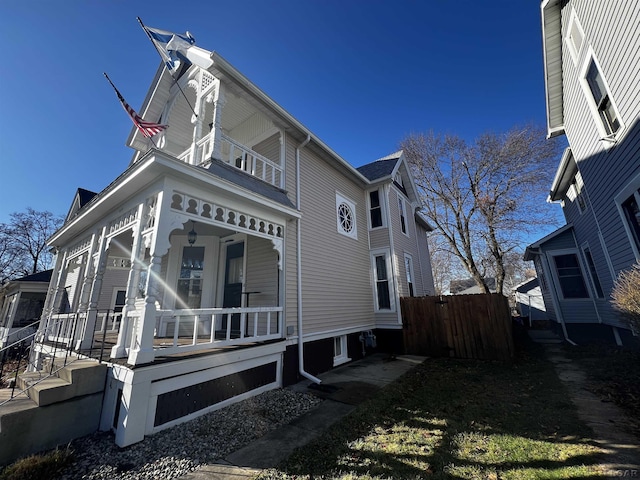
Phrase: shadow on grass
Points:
(452, 418)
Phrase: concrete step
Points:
(79, 378)
(544, 336)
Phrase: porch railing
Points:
(180, 331)
(236, 155)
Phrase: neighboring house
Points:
(239, 255)
(529, 302)
(21, 303)
(592, 73)
(468, 286)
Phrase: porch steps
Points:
(77, 378)
(54, 410)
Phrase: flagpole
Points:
(121, 98)
(174, 79)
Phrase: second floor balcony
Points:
(210, 119)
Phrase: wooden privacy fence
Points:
(462, 326)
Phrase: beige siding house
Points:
(236, 254)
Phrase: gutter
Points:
(301, 369)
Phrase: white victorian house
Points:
(236, 254)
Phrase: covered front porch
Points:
(173, 272)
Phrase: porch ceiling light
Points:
(192, 235)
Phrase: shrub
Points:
(625, 296)
(38, 467)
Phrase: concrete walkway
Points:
(606, 419)
(342, 389)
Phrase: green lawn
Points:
(457, 419)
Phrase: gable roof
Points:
(381, 168)
(44, 276)
(81, 198)
(532, 250)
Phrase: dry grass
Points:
(457, 419)
(38, 467)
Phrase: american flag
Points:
(148, 129)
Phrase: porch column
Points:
(158, 240)
(142, 350)
(218, 104)
(84, 337)
(54, 286)
(119, 350)
(98, 261)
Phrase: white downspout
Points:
(299, 269)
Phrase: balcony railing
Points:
(236, 155)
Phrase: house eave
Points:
(567, 170)
(551, 11)
(533, 250)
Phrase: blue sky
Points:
(360, 74)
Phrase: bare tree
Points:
(445, 266)
(23, 243)
(485, 198)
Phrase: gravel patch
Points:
(181, 449)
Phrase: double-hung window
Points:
(403, 220)
(602, 99)
(375, 209)
(570, 276)
(408, 267)
(383, 280)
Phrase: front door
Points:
(233, 281)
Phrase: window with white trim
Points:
(376, 214)
(408, 268)
(401, 211)
(383, 284)
(574, 37)
(600, 100)
(593, 274)
(576, 193)
(570, 276)
(346, 216)
(631, 209)
(340, 355)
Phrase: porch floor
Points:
(102, 345)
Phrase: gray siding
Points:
(612, 31)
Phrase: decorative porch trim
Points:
(220, 215)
